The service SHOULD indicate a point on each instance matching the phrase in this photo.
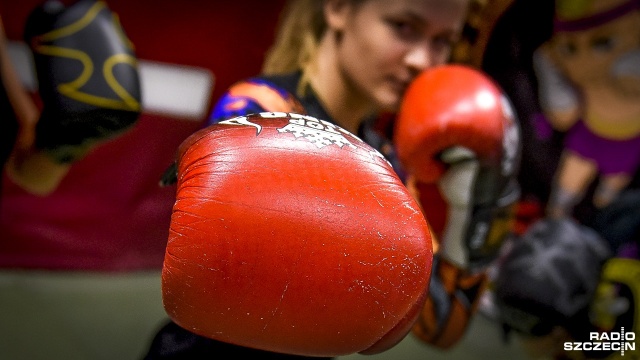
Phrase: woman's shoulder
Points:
(258, 94)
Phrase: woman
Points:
(341, 61)
(348, 60)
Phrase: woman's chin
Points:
(389, 102)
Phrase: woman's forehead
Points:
(426, 11)
(423, 8)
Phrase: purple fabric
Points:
(611, 156)
(542, 127)
(629, 251)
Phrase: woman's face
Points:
(385, 44)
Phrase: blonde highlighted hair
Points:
(300, 28)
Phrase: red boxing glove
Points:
(456, 132)
(458, 139)
(291, 235)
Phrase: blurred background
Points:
(69, 291)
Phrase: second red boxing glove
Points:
(456, 134)
(455, 105)
(290, 234)
(457, 137)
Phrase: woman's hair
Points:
(300, 28)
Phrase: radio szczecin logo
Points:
(613, 341)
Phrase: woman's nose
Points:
(419, 57)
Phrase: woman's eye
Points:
(403, 28)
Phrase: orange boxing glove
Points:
(457, 138)
(289, 234)
(456, 133)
